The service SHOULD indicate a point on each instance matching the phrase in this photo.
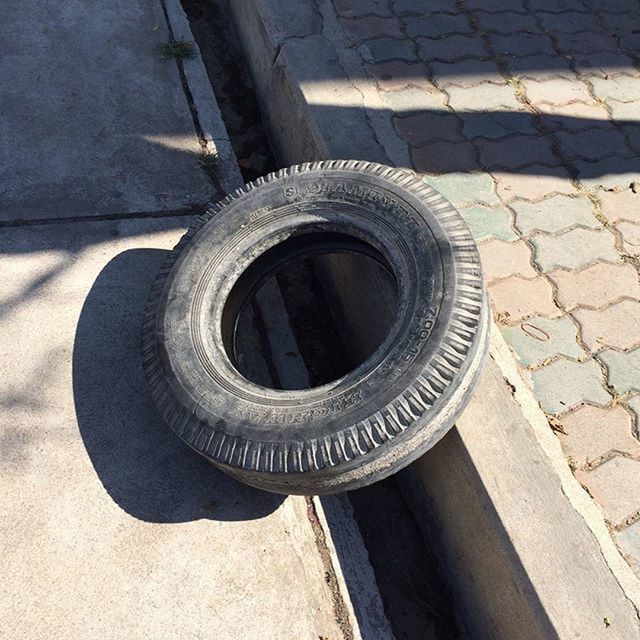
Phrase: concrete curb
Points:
(528, 554)
(210, 126)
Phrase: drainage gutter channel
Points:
(526, 554)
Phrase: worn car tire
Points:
(376, 419)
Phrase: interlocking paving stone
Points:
(483, 97)
(451, 48)
(540, 66)
(419, 7)
(437, 25)
(629, 542)
(533, 185)
(569, 21)
(555, 91)
(485, 222)
(516, 152)
(425, 127)
(521, 44)
(574, 249)
(564, 384)
(630, 233)
(576, 116)
(556, 6)
(371, 27)
(496, 124)
(623, 205)
(414, 99)
(537, 339)
(610, 173)
(586, 43)
(617, 326)
(622, 369)
(596, 286)
(634, 404)
(496, 5)
(354, 8)
(593, 144)
(469, 74)
(515, 298)
(621, 88)
(503, 259)
(603, 65)
(384, 49)
(443, 157)
(625, 111)
(506, 22)
(398, 74)
(592, 432)
(615, 485)
(465, 188)
(554, 214)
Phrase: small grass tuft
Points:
(180, 49)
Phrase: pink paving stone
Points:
(556, 91)
(615, 485)
(396, 75)
(592, 432)
(596, 286)
(503, 259)
(623, 205)
(617, 326)
(515, 298)
(533, 185)
(630, 233)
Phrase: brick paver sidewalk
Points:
(540, 101)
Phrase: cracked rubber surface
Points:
(379, 417)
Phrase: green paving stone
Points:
(554, 214)
(574, 249)
(485, 222)
(623, 369)
(536, 339)
(629, 542)
(413, 99)
(465, 188)
(564, 384)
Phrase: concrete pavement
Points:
(111, 527)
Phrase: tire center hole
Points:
(309, 311)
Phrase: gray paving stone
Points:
(465, 188)
(414, 99)
(564, 384)
(444, 157)
(554, 214)
(556, 6)
(357, 8)
(496, 5)
(485, 222)
(540, 66)
(437, 25)
(427, 126)
(634, 404)
(574, 249)
(471, 73)
(569, 21)
(623, 369)
(593, 144)
(586, 43)
(506, 22)
(451, 48)
(629, 542)
(605, 64)
(496, 124)
(516, 152)
(521, 44)
(383, 49)
(420, 7)
(537, 339)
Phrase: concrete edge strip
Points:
(577, 496)
(205, 104)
